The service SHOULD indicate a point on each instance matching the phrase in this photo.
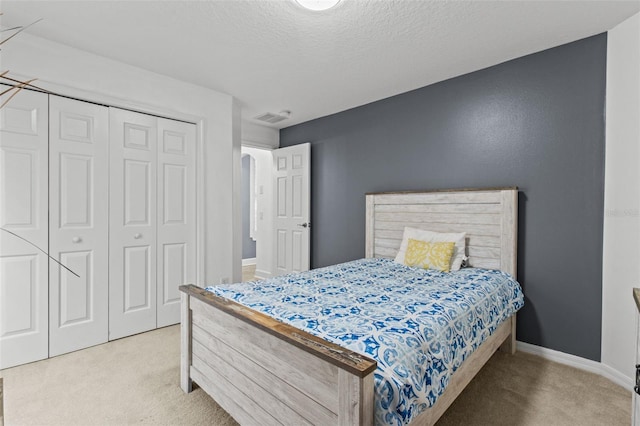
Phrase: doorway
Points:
(275, 211)
(257, 213)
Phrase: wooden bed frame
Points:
(263, 371)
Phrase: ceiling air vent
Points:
(272, 118)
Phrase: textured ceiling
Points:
(273, 55)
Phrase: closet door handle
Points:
(76, 240)
(137, 236)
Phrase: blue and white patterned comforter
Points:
(419, 325)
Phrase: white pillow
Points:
(434, 237)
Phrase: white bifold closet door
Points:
(78, 224)
(24, 282)
(132, 233)
(176, 236)
(152, 220)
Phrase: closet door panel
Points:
(176, 215)
(23, 211)
(132, 235)
(78, 224)
(137, 279)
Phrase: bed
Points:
(265, 371)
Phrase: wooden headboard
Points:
(488, 216)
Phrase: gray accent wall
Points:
(536, 122)
(248, 245)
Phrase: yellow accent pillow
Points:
(429, 255)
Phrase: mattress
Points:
(419, 325)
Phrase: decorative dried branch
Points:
(15, 86)
(9, 29)
(16, 89)
(17, 30)
(48, 255)
(5, 76)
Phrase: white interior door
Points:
(78, 224)
(132, 233)
(176, 216)
(291, 186)
(24, 283)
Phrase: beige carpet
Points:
(128, 381)
(524, 389)
(135, 381)
(248, 273)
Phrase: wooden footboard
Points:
(265, 372)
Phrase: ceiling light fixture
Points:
(318, 4)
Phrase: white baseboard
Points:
(617, 377)
(249, 261)
(578, 362)
(262, 275)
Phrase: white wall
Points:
(264, 200)
(80, 74)
(621, 257)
